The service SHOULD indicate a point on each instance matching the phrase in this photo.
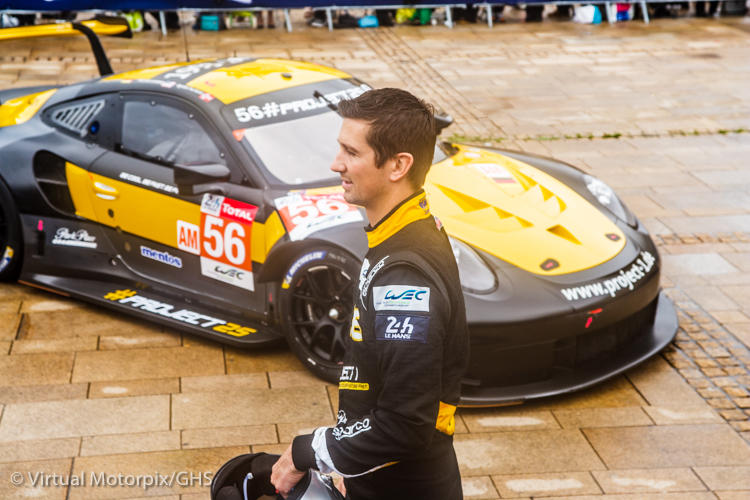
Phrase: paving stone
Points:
(648, 481)
(37, 393)
(645, 496)
(127, 388)
(669, 446)
(140, 341)
(10, 306)
(725, 478)
(143, 442)
(507, 419)
(711, 297)
(602, 417)
(137, 364)
(478, 488)
(62, 419)
(524, 452)
(261, 406)
(616, 392)
(24, 451)
(271, 449)
(739, 293)
(733, 495)
(229, 436)
(54, 345)
(696, 264)
(9, 325)
(224, 383)
(79, 322)
(45, 467)
(196, 462)
(546, 485)
(36, 369)
(661, 385)
(280, 380)
(49, 303)
(266, 360)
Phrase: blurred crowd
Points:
(472, 13)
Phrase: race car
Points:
(199, 196)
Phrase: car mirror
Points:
(187, 176)
(442, 120)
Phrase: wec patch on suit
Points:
(401, 327)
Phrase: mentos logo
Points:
(401, 298)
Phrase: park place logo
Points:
(80, 238)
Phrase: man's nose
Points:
(337, 165)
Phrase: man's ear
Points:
(400, 166)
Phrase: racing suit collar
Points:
(412, 209)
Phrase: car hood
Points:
(519, 214)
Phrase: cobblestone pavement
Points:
(82, 389)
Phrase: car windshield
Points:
(292, 135)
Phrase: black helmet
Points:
(248, 477)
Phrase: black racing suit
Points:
(401, 380)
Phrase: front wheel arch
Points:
(11, 236)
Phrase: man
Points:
(408, 350)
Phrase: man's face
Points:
(361, 179)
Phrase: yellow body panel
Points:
(145, 73)
(249, 79)
(21, 109)
(526, 219)
(79, 184)
(64, 29)
(150, 214)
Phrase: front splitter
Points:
(660, 334)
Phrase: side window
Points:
(169, 133)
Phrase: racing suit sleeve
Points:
(407, 341)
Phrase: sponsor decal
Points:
(349, 373)
(401, 327)
(188, 237)
(166, 310)
(226, 228)
(624, 280)
(401, 298)
(341, 418)
(274, 109)
(366, 284)
(148, 183)
(206, 97)
(304, 214)
(193, 70)
(363, 273)
(495, 172)
(6, 258)
(357, 428)
(228, 274)
(163, 257)
(613, 236)
(438, 224)
(354, 386)
(549, 265)
(355, 332)
(423, 204)
(80, 238)
(299, 263)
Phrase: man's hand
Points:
(285, 477)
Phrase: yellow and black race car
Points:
(198, 195)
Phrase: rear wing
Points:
(100, 25)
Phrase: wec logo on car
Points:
(624, 280)
(401, 298)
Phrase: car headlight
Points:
(474, 274)
(607, 197)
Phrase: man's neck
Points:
(388, 202)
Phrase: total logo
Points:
(219, 206)
(401, 298)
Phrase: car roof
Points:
(234, 79)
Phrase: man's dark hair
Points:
(399, 123)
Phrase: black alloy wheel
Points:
(317, 311)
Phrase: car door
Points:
(197, 243)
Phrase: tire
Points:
(317, 300)
(11, 237)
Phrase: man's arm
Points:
(408, 342)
